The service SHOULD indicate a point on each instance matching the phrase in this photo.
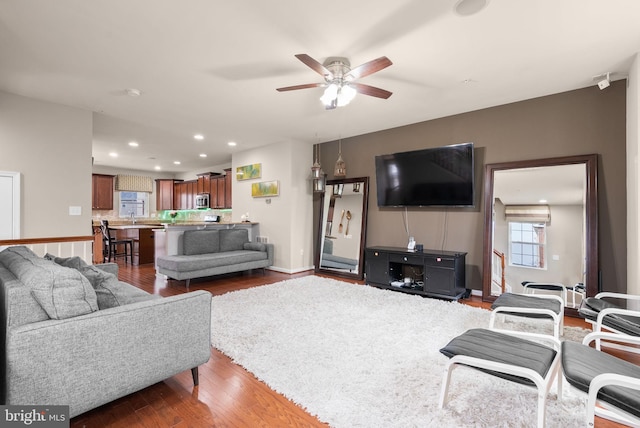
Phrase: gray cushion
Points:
(201, 242)
(512, 300)
(502, 348)
(255, 246)
(233, 239)
(581, 364)
(20, 305)
(207, 261)
(62, 292)
(590, 307)
(109, 291)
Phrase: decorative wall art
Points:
(249, 172)
(265, 188)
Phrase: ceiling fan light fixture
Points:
(345, 95)
(329, 94)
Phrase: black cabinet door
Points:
(377, 267)
(439, 280)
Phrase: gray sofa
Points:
(72, 334)
(209, 252)
(336, 262)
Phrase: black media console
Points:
(429, 273)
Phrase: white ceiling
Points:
(557, 185)
(211, 67)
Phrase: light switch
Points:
(75, 210)
(556, 257)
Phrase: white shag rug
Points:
(358, 356)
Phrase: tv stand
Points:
(430, 273)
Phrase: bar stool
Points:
(110, 245)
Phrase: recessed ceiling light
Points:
(176, 162)
(199, 137)
(231, 144)
(470, 7)
(132, 92)
(113, 154)
(203, 155)
(543, 201)
(133, 144)
(157, 168)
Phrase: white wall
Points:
(288, 219)
(50, 145)
(633, 186)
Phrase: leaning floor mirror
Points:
(541, 227)
(342, 228)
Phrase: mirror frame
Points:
(364, 189)
(591, 219)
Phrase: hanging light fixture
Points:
(317, 174)
(341, 168)
(338, 94)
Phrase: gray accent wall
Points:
(578, 122)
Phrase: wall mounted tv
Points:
(434, 177)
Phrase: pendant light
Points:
(341, 168)
(317, 174)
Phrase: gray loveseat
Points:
(72, 334)
(209, 252)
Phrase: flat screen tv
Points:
(434, 177)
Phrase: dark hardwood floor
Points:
(228, 395)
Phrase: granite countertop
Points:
(134, 226)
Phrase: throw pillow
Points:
(110, 291)
(74, 262)
(62, 292)
(254, 246)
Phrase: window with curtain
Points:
(527, 243)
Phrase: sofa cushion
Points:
(20, 305)
(233, 239)
(207, 261)
(62, 292)
(255, 246)
(109, 291)
(200, 242)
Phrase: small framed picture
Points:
(249, 172)
(265, 188)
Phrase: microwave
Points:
(202, 200)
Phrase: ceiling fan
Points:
(339, 79)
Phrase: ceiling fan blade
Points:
(368, 68)
(296, 87)
(371, 90)
(315, 66)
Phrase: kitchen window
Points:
(134, 204)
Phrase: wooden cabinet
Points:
(184, 194)
(165, 194)
(102, 192)
(228, 181)
(97, 245)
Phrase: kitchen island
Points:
(143, 240)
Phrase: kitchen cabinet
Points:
(102, 192)
(165, 194)
(228, 181)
